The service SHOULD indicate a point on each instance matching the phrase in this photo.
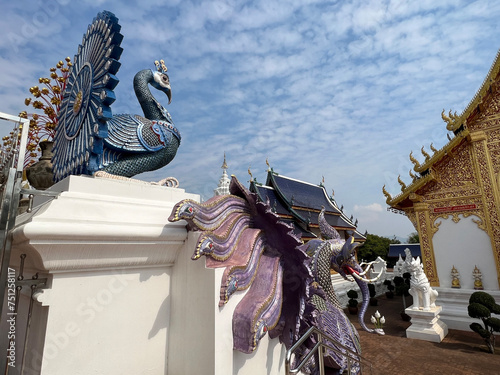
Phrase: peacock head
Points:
(161, 81)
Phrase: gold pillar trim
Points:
(491, 202)
(425, 229)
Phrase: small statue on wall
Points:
(424, 297)
(477, 275)
(455, 278)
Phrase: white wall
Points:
(200, 338)
(464, 245)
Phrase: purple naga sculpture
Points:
(289, 285)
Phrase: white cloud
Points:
(374, 207)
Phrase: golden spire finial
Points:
(403, 185)
(267, 163)
(433, 148)
(426, 155)
(414, 161)
(333, 193)
(387, 195)
(322, 180)
(224, 165)
(249, 172)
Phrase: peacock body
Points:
(137, 144)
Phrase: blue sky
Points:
(340, 89)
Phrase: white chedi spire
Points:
(223, 187)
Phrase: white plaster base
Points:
(455, 302)
(200, 334)
(426, 325)
(123, 295)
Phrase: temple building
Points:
(453, 199)
(299, 203)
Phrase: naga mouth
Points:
(349, 270)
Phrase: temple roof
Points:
(301, 194)
(459, 125)
(300, 202)
(399, 249)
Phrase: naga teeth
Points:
(354, 274)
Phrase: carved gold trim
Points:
(491, 202)
(425, 228)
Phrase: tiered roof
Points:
(300, 202)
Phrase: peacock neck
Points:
(150, 106)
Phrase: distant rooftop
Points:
(300, 203)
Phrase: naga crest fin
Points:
(327, 231)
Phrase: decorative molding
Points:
(102, 224)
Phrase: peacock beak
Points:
(169, 95)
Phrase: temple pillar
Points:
(483, 166)
(424, 228)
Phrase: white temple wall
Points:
(201, 338)
(464, 245)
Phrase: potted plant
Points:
(390, 289)
(46, 103)
(352, 304)
(481, 306)
(373, 300)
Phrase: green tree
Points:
(375, 246)
(413, 238)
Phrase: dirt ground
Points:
(460, 353)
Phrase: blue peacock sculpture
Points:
(88, 137)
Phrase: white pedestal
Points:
(123, 295)
(426, 325)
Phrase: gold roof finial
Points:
(224, 165)
(414, 161)
(268, 165)
(249, 172)
(451, 120)
(387, 195)
(403, 185)
(322, 180)
(433, 148)
(413, 177)
(426, 155)
(333, 193)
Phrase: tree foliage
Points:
(375, 246)
(481, 306)
(413, 238)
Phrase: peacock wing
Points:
(123, 133)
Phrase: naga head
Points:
(161, 81)
(183, 210)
